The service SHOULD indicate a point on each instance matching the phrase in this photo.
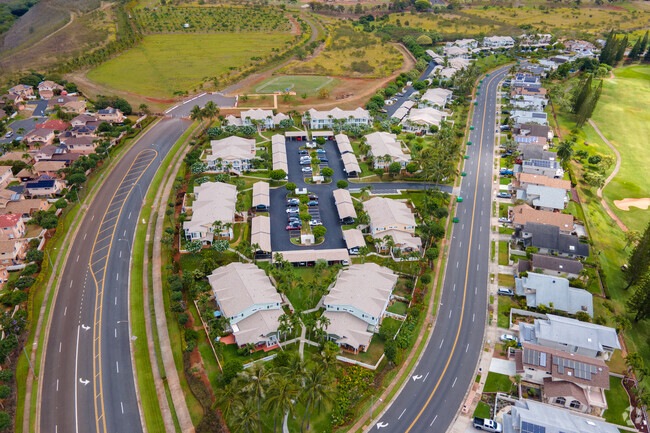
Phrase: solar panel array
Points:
(534, 357)
(525, 139)
(580, 369)
(528, 427)
(541, 163)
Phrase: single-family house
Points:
(353, 240)
(21, 91)
(12, 226)
(83, 145)
(78, 106)
(531, 103)
(83, 119)
(54, 124)
(327, 119)
(47, 152)
(40, 137)
(356, 304)
(535, 150)
(392, 219)
(533, 130)
(532, 141)
(386, 149)
(16, 156)
(26, 208)
(543, 197)
(422, 119)
(261, 196)
(553, 292)
(524, 179)
(548, 240)
(5, 175)
(48, 89)
(110, 114)
(571, 381)
(279, 153)
(231, 154)
(12, 251)
(523, 79)
(520, 116)
(543, 167)
(524, 214)
(246, 297)
(437, 97)
(344, 206)
(528, 416)
(516, 91)
(60, 100)
(213, 202)
(493, 42)
(44, 187)
(571, 336)
(261, 235)
(552, 265)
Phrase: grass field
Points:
(625, 122)
(566, 21)
(446, 24)
(351, 53)
(164, 64)
(300, 84)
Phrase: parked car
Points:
(305, 161)
(312, 203)
(306, 169)
(504, 195)
(293, 210)
(504, 220)
(505, 291)
(487, 425)
(9, 134)
(323, 159)
(303, 152)
(506, 171)
(320, 151)
(312, 197)
(315, 222)
(294, 226)
(505, 127)
(508, 337)
(293, 202)
(293, 219)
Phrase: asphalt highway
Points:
(430, 399)
(87, 384)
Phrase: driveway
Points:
(409, 91)
(39, 110)
(27, 124)
(183, 109)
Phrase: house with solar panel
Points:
(521, 116)
(527, 416)
(523, 79)
(571, 381)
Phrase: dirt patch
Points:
(627, 203)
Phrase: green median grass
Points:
(163, 64)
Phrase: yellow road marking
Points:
(469, 253)
(99, 298)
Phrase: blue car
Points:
(312, 203)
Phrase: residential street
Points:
(430, 400)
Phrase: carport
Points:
(296, 135)
(352, 167)
(328, 135)
(310, 257)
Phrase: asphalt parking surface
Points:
(27, 124)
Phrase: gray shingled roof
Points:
(558, 264)
(545, 236)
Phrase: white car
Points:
(9, 134)
(306, 170)
(315, 223)
(504, 220)
(507, 337)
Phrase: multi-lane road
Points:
(87, 384)
(432, 396)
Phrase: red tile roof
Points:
(9, 220)
(56, 124)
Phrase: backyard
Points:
(162, 65)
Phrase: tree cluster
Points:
(585, 99)
(637, 275)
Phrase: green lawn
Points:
(163, 64)
(617, 402)
(496, 382)
(625, 122)
(506, 280)
(296, 83)
(482, 410)
(503, 253)
(398, 308)
(505, 304)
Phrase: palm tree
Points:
(363, 252)
(565, 151)
(282, 398)
(316, 391)
(257, 379)
(295, 369)
(246, 417)
(229, 398)
(210, 110)
(389, 243)
(196, 113)
(216, 227)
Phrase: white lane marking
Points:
(65, 311)
(425, 377)
(454, 287)
(476, 267)
(450, 314)
(76, 367)
(70, 283)
(117, 367)
(124, 232)
(473, 314)
(400, 416)
(479, 246)
(85, 234)
(122, 407)
(434, 420)
(117, 277)
(57, 385)
(467, 348)
(116, 300)
(115, 332)
(455, 379)
(463, 227)
(120, 254)
(475, 290)
(59, 347)
(92, 218)
(129, 215)
(443, 340)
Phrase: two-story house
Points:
(549, 240)
(231, 154)
(213, 202)
(110, 114)
(386, 149)
(327, 119)
(12, 226)
(48, 89)
(44, 187)
(554, 292)
(392, 219)
(356, 304)
(5, 175)
(249, 301)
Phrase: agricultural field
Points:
(351, 53)
(450, 25)
(566, 21)
(163, 64)
(200, 19)
(625, 122)
(85, 33)
(301, 84)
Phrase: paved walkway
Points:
(178, 397)
(503, 366)
(611, 214)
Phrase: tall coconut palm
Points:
(256, 379)
(229, 398)
(282, 398)
(210, 110)
(246, 417)
(295, 369)
(316, 391)
(196, 113)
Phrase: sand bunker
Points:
(625, 204)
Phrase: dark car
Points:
(323, 159)
(303, 152)
(293, 219)
(293, 202)
(312, 197)
(312, 203)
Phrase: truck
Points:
(487, 425)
